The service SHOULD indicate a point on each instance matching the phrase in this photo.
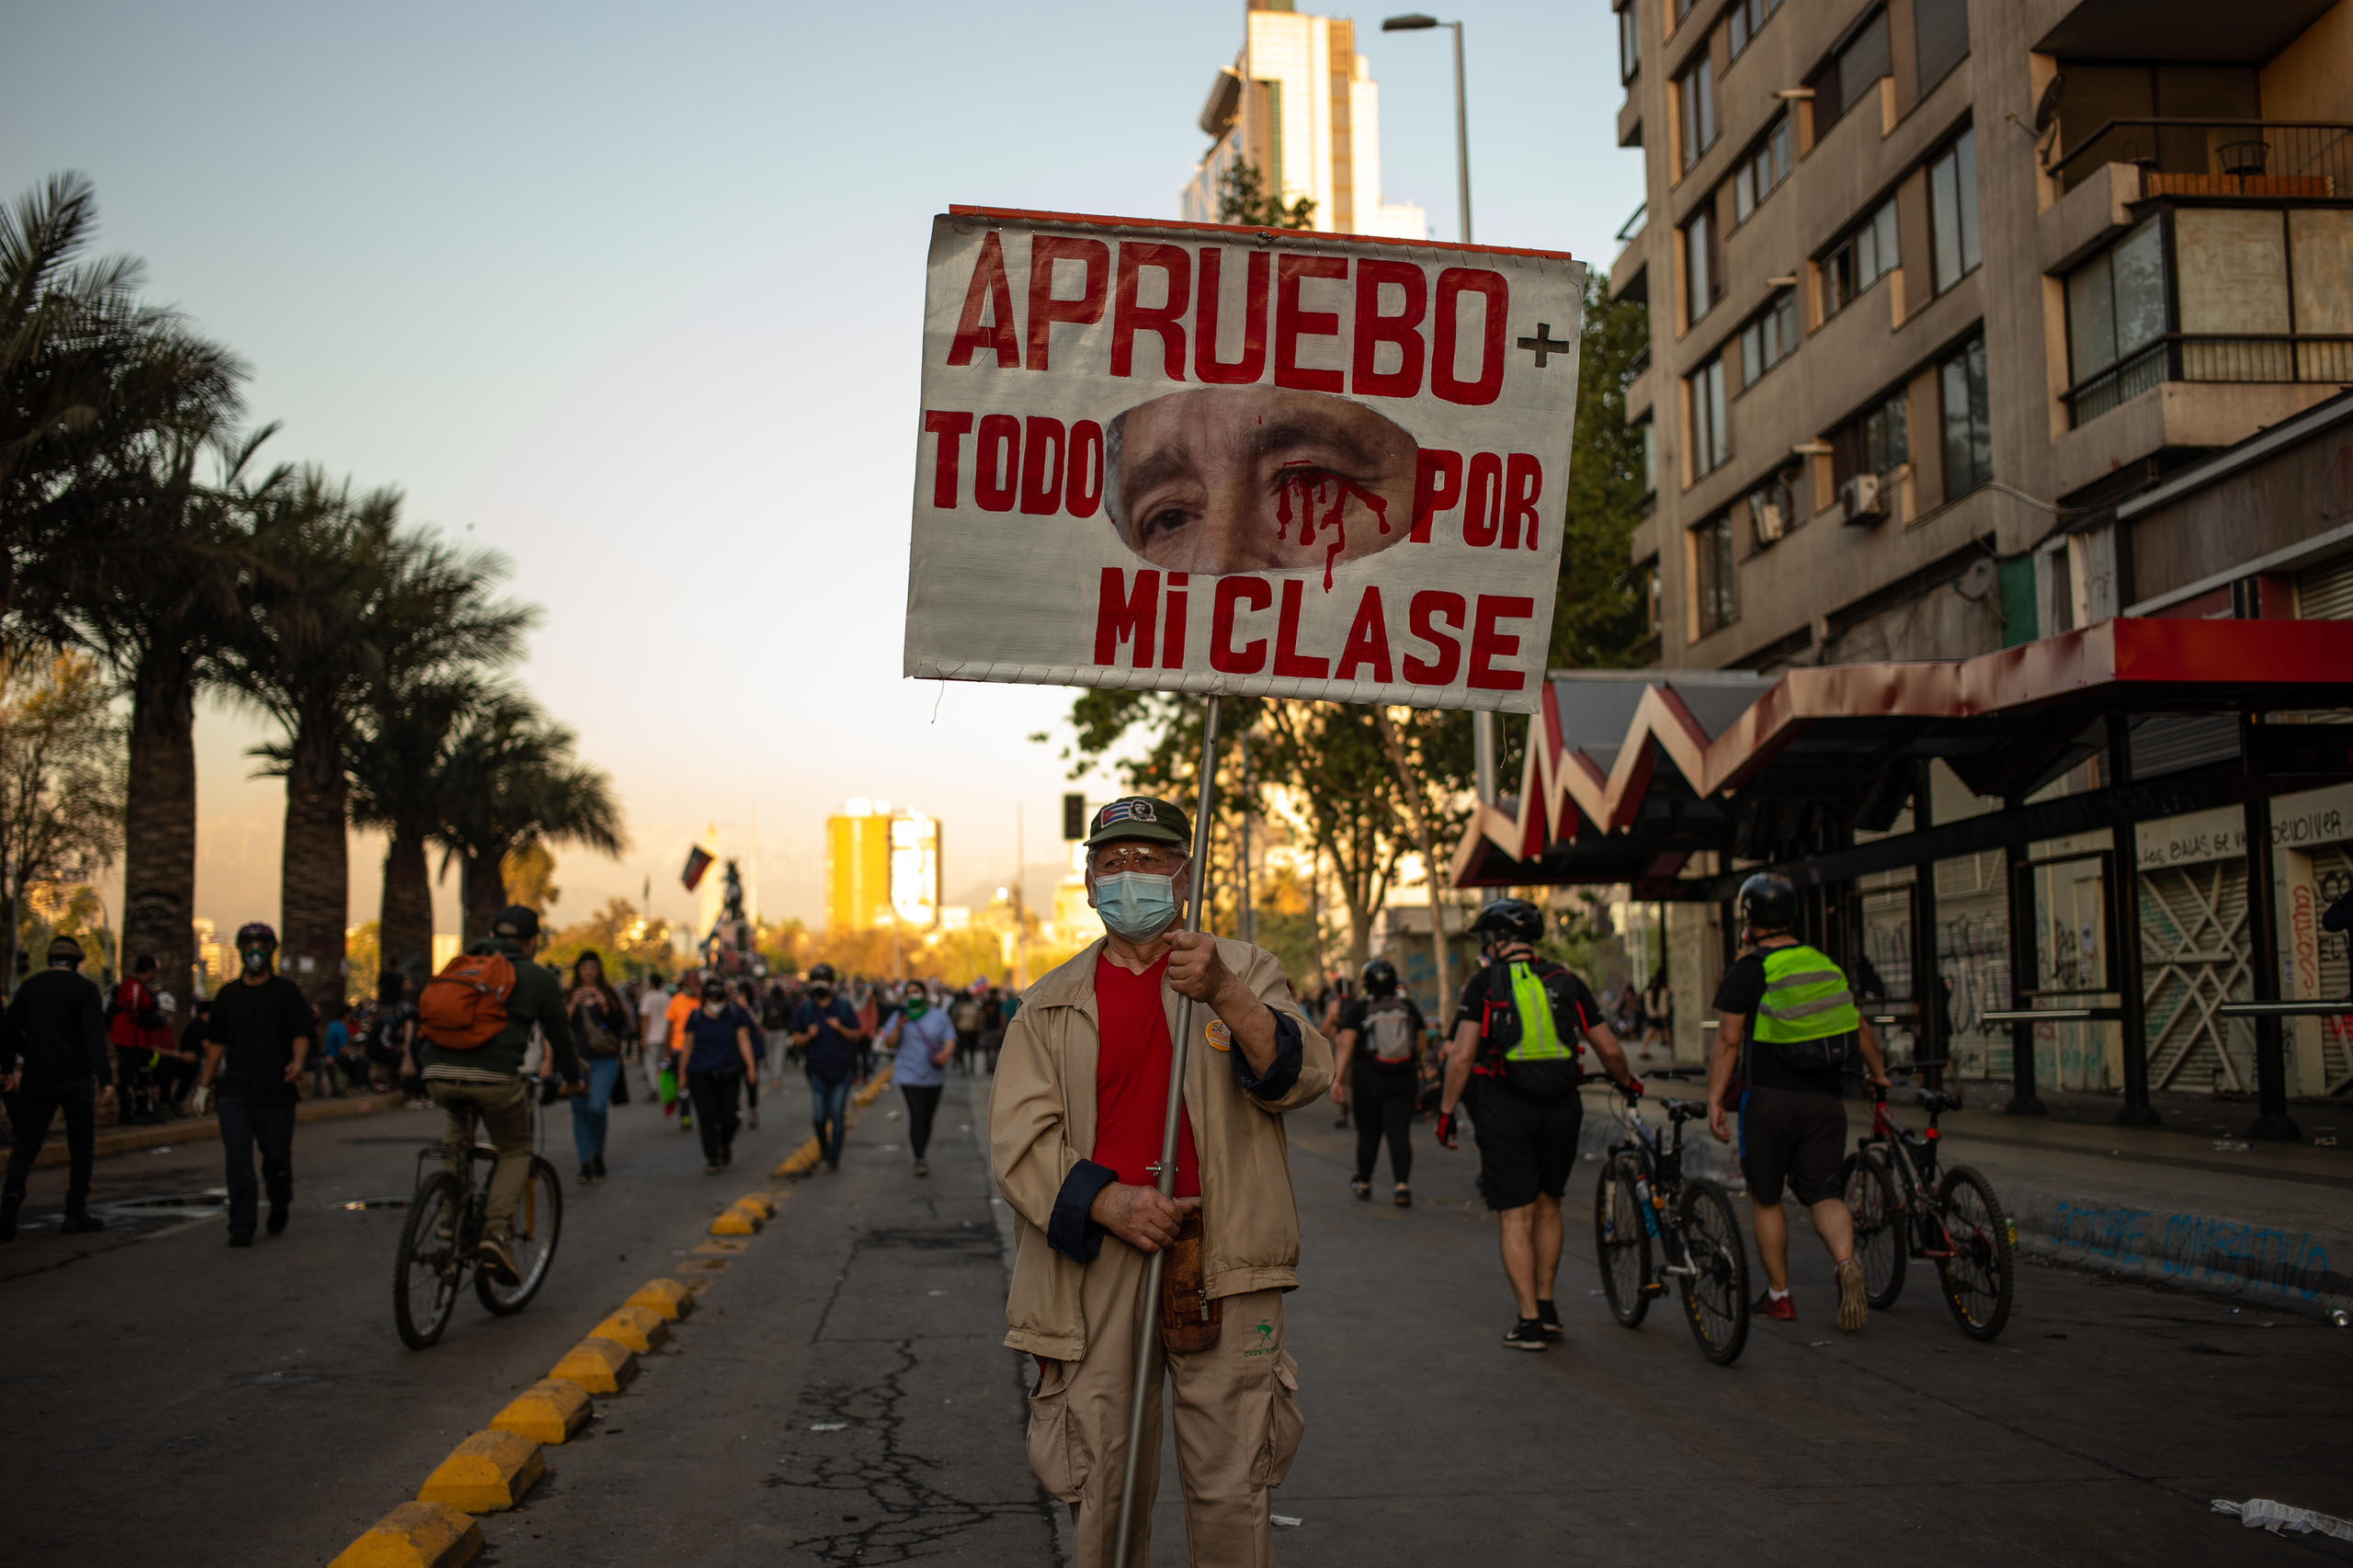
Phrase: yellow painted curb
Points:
(801, 1161)
(550, 1411)
(873, 1090)
(487, 1472)
(720, 1246)
(633, 1326)
(600, 1366)
(738, 1222)
(757, 1200)
(415, 1535)
(663, 1298)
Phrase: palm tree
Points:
(515, 783)
(350, 609)
(401, 779)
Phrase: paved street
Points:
(841, 1397)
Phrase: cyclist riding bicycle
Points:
(477, 1016)
(1787, 1026)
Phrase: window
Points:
(1703, 278)
(1952, 211)
(1772, 510)
(2116, 320)
(1710, 437)
(1877, 440)
(1747, 16)
(1853, 70)
(1765, 166)
(1650, 457)
(1866, 255)
(1940, 39)
(1771, 336)
(1629, 39)
(1714, 573)
(1968, 440)
(1696, 88)
(1683, 10)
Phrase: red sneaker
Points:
(1782, 1309)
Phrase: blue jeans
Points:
(829, 1108)
(243, 1125)
(588, 1110)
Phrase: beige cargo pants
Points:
(1237, 1423)
(506, 1112)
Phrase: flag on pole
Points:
(698, 861)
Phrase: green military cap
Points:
(1138, 816)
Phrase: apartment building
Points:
(1938, 286)
(1299, 104)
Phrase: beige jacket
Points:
(1042, 1128)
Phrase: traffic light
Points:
(1073, 818)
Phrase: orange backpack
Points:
(464, 1006)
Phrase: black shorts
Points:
(1793, 1137)
(1524, 1146)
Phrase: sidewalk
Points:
(117, 1139)
(2270, 1224)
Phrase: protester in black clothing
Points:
(719, 1058)
(175, 1072)
(1377, 1076)
(54, 1059)
(261, 1031)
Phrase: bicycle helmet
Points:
(1380, 978)
(1768, 903)
(1510, 920)
(256, 933)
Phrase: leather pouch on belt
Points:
(1188, 1319)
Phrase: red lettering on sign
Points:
(1288, 661)
(1171, 628)
(1082, 480)
(1482, 513)
(996, 462)
(1523, 483)
(1207, 366)
(990, 291)
(1045, 310)
(1129, 317)
(1291, 324)
(1423, 612)
(1232, 593)
(1368, 640)
(1042, 466)
(1124, 615)
(951, 430)
(1438, 487)
(1373, 329)
(1453, 284)
(1488, 645)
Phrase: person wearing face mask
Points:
(261, 1031)
(924, 1038)
(719, 1058)
(827, 1029)
(53, 1061)
(1076, 1122)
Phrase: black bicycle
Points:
(1903, 1210)
(445, 1225)
(1643, 1203)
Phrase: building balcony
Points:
(2291, 160)
(2318, 360)
(1629, 279)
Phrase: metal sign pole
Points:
(1167, 1167)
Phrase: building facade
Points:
(882, 868)
(1299, 105)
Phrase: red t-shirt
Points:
(1131, 1080)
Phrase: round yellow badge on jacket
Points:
(1221, 1037)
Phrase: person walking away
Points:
(683, 1002)
(472, 1058)
(1786, 1027)
(261, 1032)
(1075, 1128)
(653, 1032)
(827, 1029)
(747, 998)
(55, 1060)
(1658, 1014)
(334, 1041)
(136, 1029)
(1381, 1039)
(719, 1058)
(924, 1039)
(1517, 1036)
(175, 1072)
(599, 1028)
(882, 1005)
(964, 1012)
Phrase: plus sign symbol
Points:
(1543, 345)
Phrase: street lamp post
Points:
(1482, 722)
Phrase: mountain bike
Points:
(445, 1225)
(1645, 1202)
(1903, 1210)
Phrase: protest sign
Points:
(1191, 457)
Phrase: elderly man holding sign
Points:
(1076, 1135)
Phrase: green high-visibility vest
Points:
(1539, 1037)
(1806, 997)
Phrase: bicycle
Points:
(1644, 1197)
(1902, 1210)
(445, 1225)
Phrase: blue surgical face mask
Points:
(1137, 905)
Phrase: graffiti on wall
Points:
(2203, 1252)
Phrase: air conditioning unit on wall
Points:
(1770, 520)
(1860, 498)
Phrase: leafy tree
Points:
(1599, 619)
(60, 774)
(1243, 197)
(515, 782)
(400, 778)
(630, 945)
(529, 875)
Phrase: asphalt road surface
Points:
(841, 1396)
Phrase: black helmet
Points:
(256, 933)
(1510, 920)
(1768, 903)
(517, 922)
(1380, 978)
(822, 974)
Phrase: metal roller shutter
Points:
(2325, 592)
(2332, 875)
(2193, 958)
